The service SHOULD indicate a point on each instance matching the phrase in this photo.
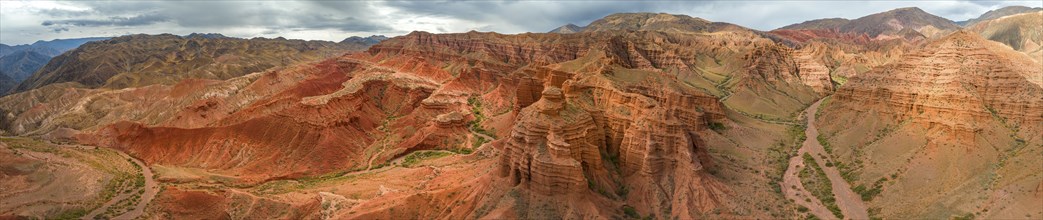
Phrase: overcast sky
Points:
(24, 22)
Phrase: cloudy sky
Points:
(24, 22)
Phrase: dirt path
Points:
(850, 203)
(793, 189)
(151, 189)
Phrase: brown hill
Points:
(6, 82)
(567, 29)
(826, 24)
(944, 131)
(139, 60)
(657, 22)
(634, 117)
(20, 65)
(1023, 32)
(903, 23)
(999, 13)
(893, 21)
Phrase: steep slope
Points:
(567, 29)
(63, 45)
(657, 22)
(907, 24)
(20, 65)
(998, 13)
(760, 73)
(634, 120)
(951, 129)
(138, 60)
(49, 48)
(1023, 32)
(365, 41)
(888, 24)
(6, 82)
(827, 24)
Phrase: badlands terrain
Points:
(895, 115)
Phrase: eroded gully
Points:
(848, 201)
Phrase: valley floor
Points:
(849, 203)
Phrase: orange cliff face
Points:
(601, 120)
(958, 85)
(959, 110)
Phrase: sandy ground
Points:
(151, 188)
(850, 203)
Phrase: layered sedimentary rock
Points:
(554, 147)
(956, 84)
(310, 129)
(951, 128)
(583, 122)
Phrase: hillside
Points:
(947, 129)
(139, 60)
(22, 64)
(894, 115)
(999, 13)
(567, 29)
(657, 22)
(893, 21)
(1022, 32)
(49, 48)
(827, 24)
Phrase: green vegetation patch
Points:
(868, 193)
(815, 181)
(418, 156)
(476, 124)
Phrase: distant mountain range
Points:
(894, 115)
(49, 48)
(567, 29)
(18, 62)
(371, 40)
(993, 14)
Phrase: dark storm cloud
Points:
(532, 15)
(52, 12)
(229, 14)
(111, 21)
(28, 21)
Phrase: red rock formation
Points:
(554, 147)
(955, 84)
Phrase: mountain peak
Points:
(567, 29)
(205, 35)
(646, 21)
(893, 21)
(908, 9)
(371, 40)
(999, 13)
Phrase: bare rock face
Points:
(957, 84)
(946, 118)
(553, 147)
(813, 72)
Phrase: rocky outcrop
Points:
(812, 72)
(958, 84)
(554, 147)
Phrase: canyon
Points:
(899, 114)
